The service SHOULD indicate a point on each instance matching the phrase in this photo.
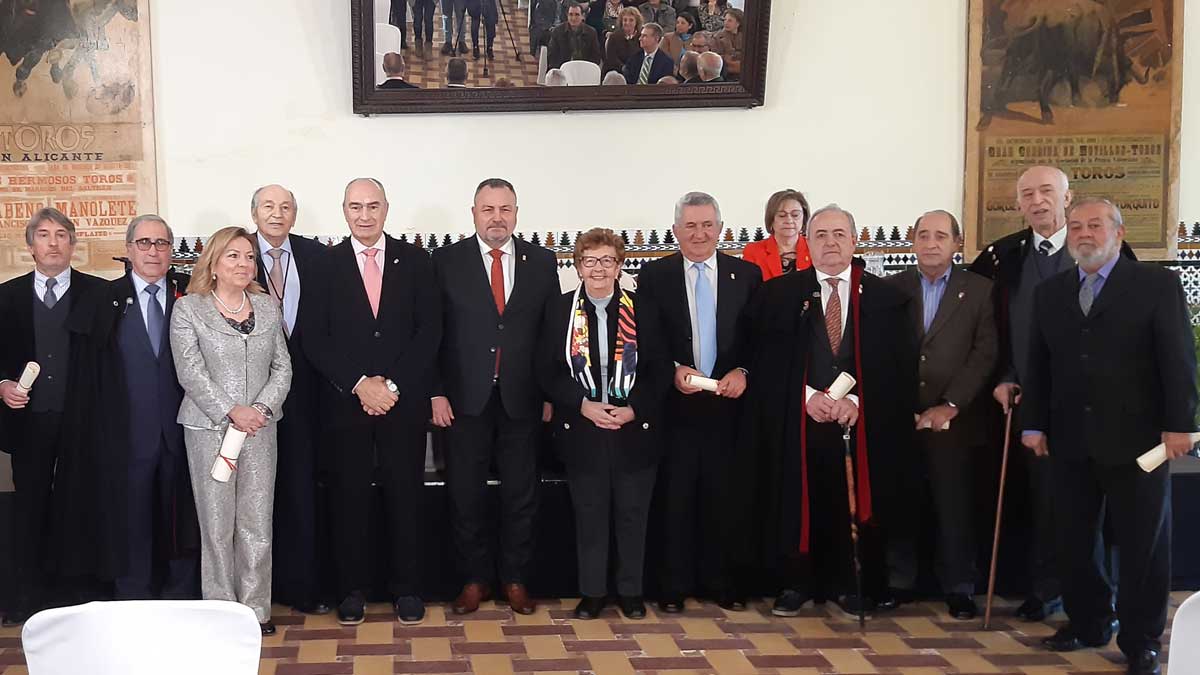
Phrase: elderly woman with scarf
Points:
(606, 371)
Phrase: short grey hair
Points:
(833, 208)
(372, 181)
(131, 229)
(689, 65)
(696, 199)
(654, 28)
(955, 229)
(254, 197)
(1114, 213)
(53, 215)
(710, 64)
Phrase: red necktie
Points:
(833, 316)
(497, 294)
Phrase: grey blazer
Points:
(219, 367)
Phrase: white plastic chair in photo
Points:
(380, 75)
(543, 64)
(387, 38)
(581, 73)
(144, 637)
(383, 11)
(1184, 654)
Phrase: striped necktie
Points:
(644, 76)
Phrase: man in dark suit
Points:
(286, 265)
(573, 40)
(494, 289)
(956, 329)
(651, 64)
(1113, 371)
(702, 295)
(34, 309)
(370, 329)
(393, 67)
(1016, 264)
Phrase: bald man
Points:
(1017, 264)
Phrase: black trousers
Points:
(422, 20)
(697, 497)
(485, 9)
(390, 451)
(33, 477)
(399, 17)
(150, 479)
(948, 468)
(608, 500)
(295, 544)
(1139, 505)
(473, 442)
(1043, 565)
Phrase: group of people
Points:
(454, 25)
(715, 383)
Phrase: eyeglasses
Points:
(607, 262)
(145, 243)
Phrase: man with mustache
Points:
(1112, 373)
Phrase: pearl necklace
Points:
(234, 312)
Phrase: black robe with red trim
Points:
(886, 355)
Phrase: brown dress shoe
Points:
(518, 599)
(468, 601)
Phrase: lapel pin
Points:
(962, 294)
(396, 261)
(732, 276)
(523, 258)
(816, 294)
(805, 308)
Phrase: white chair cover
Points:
(1184, 653)
(150, 637)
(383, 11)
(543, 62)
(380, 76)
(387, 38)
(580, 73)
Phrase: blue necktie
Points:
(706, 319)
(154, 318)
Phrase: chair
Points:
(380, 75)
(581, 73)
(543, 64)
(387, 38)
(150, 637)
(383, 11)
(1184, 651)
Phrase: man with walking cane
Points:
(813, 326)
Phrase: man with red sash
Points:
(812, 325)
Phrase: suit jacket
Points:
(17, 341)
(662, 281)
(958, 353)
(220, 368)
(662, 66)
(765, 254)
(559, 50)
(1106, 385)
(473, 330)
(578, 437)
(344, 341)
(393, 83)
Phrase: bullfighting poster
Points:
(76, 124)
(1090, 86)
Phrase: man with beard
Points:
(813, 325)
(1112, 373)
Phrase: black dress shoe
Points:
(962, 606)
(490, 54)
(633, 607)
(893, 598)
(852, 605)
(462, 48)
(317, 608)
(590, 608)
(1036, 609)
(1068, 638)
(671, 604)
(447, 49)
(268, 627)
(1145, 662)
(409, 610)
(789, 603)
(475, 53)
(353, 610)
(734, 602)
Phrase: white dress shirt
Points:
(690, 274)
(291, 277)
(143, 298)
(506, 263)
(1056, 240)
(359, 247)
(843, 289)
(60, 289)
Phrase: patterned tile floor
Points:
(919, 639)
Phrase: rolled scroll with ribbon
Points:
(231, 448)
(705, 383)
(841, 386)
(1154, 457)
(25, 382)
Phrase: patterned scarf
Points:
(579, 347)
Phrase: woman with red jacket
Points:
(784, 250)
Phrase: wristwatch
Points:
(264, 409)
(392, 386)
(951, 404)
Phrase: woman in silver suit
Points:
(232, 360)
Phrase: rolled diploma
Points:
(32, 370)
(231, 447)
(705, 383)
(1154, 457)
(841, 386)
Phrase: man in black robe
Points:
(812, 325)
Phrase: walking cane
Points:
(858, 582)
(991, 589)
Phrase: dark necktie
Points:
(1045, 247)
(154, 318)
(833, 316)
(49, 298)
